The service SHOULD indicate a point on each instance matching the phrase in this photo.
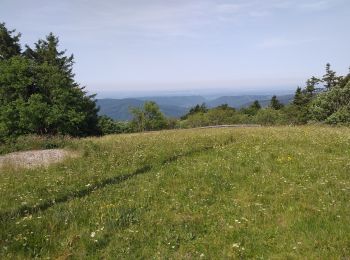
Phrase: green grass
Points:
(280, 192)
(34, 142)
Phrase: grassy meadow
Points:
(270, 192)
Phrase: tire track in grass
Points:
(28, 210)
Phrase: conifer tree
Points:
(298, 98)
(311, 85)
(330, 79)
(9, 43)
(275, 103)
(256, 105)
(38, 93)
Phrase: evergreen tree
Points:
(253, 109)
(298, 98)
(256, 105)
(9, 43)
(300, 107)
(275, 103)
(196, 109)
(330, 79)
(226, 107)
(311, 85)
(46, 51)
(345, 80)
(38, 94)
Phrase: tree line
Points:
(322, 100)
(39, 95)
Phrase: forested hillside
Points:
(177, 106)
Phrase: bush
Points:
(196, 120)
(341, 117)
(269, 116)
(332, 106)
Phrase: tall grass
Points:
(280, 192)
(33, 142)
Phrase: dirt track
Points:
(30, 159)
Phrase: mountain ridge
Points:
(176, 106)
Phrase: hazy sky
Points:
(122, 45)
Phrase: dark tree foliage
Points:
(253, 109)
(9, 43)
(256, 105)
(330, 79)
(226, 107)
(275, 103)
(345, 80)
(196, 109)
(38, 94)
(109, 126)
(46, 51)
(312, 85)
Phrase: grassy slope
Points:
(210, 193)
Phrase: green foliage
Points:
(196, 109)
(109, 126)
(38, 94)
(300, 108)
(253, 109)
(330, 79)
(270, 116)
(332, 106)
(34, 142)
(9, 43)
(340, 117)
(312, 85)
(148, 118)
(196, 120)
(275, 103)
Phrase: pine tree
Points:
(256, 105)
(9, 43)
(311, 85)
(330, 79)
(46, 51)
(275, 103)
(345, 80)
(38, 94)
(299, 98)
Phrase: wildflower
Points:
(235, 245)
(93, 234)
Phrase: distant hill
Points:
(119, 109)
(176, 106)
(180, 101)
(236, 101)
(284, 99)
